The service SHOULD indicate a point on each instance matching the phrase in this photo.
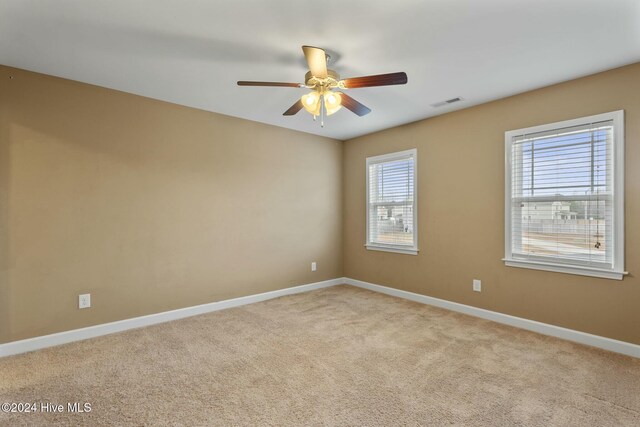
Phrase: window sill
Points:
(569, 269)
(395, 249)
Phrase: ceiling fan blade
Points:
(317, 60)
(293, 109)
(278, 84)
(351, 104)
(378, 80)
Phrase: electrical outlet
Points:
(477, 285)
(314, 267)
(84, 301)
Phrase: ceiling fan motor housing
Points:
(328, 83)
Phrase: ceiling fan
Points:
(324, 99)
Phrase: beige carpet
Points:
(337, 356)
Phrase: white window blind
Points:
(391, 202)
(564, 199)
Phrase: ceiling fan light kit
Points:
(324, 99)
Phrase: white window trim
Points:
(617, 272)
(395, 248)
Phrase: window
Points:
(564, 196)
(392, 203)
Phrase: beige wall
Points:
(151, 206)
(461, 210)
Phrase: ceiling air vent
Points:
(447, 102)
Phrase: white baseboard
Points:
(531, 325)
(23, 346)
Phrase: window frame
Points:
(617, 271)
(401, 249)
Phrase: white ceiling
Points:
(193, 52)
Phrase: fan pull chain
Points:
(321, 111)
